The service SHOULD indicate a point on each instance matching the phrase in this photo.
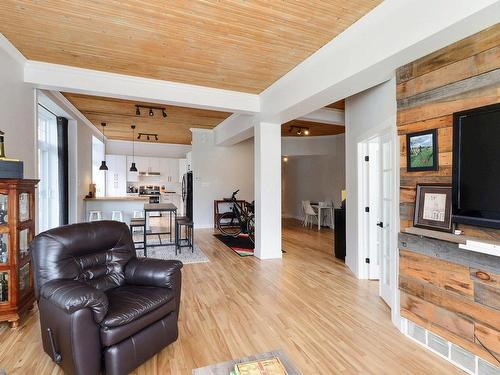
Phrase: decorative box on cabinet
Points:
(17, 229)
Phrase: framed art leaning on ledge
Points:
(433, 207)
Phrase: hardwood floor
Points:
(308, 304)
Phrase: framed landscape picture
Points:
(433, 207)
(422, 151)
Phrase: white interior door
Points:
(373, 178)
(386, 223)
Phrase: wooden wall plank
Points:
(449, 251)
(439, 316)
(474, 83)
(488, 337)
(449, 276)
(459, 70)
(433, 123)
(463, 49)
(487, 294)
(450, 301)
(473, 99)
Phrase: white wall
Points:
(367, 114)
(309, 176)
(17, 106)
(163, 150)
(217, 172)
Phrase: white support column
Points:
(267, 190)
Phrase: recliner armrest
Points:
(152, 272)
(72, 295)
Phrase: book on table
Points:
(272, 366)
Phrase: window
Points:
(48, 164)
(98, 176)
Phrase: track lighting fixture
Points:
(148, 136)
(103, 166)
(299, 130)
(133, 168)
(151, 110)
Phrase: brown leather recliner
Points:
(100, 306)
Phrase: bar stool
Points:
(181, 221)
(95, 215)
(116, 216)
(138, 214)
(134, 224)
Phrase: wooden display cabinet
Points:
(17, 229)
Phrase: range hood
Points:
(146, 174)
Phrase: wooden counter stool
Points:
(188, 228)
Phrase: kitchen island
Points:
(126, 204)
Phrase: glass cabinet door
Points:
(4, 208)
(24, 278)
(4, 286)
(4, 248)
(24, 207)
(24, 242)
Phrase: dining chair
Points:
(309, 214)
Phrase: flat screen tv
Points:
(476, 167)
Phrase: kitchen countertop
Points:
(129, 198)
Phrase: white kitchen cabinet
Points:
(131, 176)
(174, 170)
(116, 175)
(142, 163)
(169, 169)
(154, 164)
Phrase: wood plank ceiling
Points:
(236, 45)
(119, 115)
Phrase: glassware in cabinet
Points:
(4, 248)
(4, 286)
(24, 207)
(4, 209)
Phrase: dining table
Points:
(320, 207)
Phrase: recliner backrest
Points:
(94, 252)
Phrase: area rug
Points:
(241, 245)
(168, 252)
(224, 368)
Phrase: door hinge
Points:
(367, 209)
(367, 260)
(367, 158)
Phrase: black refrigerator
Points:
(187, 194)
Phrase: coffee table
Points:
(224, 368)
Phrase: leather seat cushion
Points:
(130, 302)
(113, 335)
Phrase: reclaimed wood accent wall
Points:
(456, 301)
(462, 76)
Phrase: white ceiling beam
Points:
(92, 82)
(236, 128)
(367, 53)
(330, 116)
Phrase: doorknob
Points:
(380, 224)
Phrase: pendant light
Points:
(103, 166)
(133, 168)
